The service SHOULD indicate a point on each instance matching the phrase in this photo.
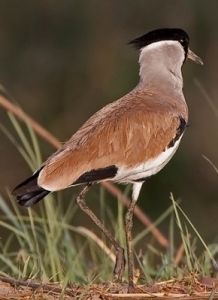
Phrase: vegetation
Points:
(45, 244)
(60, 56)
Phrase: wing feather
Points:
(125, 133)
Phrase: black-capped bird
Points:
(126, 141)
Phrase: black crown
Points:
(163, 34)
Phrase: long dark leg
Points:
(120, 259)
(129, 224)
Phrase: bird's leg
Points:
(120, 258)
(129, 224)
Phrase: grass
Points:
(44, 242)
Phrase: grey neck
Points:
(160, 66)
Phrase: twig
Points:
(179, 254)
(18, 112)
(35, 285)
(210, 163)
(145, 220)
(86, 232)
(47, 136)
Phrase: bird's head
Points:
(156, 40)
(162, 54)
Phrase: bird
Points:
(126, 141)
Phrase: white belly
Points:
(148, 168)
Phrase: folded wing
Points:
(122, 134)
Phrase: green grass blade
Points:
(22, 137)
(198, 235)
(179, 223)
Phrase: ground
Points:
(191, 287)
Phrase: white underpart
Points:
(148, 168)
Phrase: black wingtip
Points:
(29, 199)
(28, 192)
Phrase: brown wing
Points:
(125, 133)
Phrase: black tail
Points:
(28, 192)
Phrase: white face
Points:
(162, 61)
(166, 49)
(160, 44)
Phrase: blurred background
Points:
(63, 60)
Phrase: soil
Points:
(189, 288)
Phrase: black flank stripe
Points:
(96, 175)
(179, 132)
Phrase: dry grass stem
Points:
(179, 254)
(145, 220)
(86, 232)
(20, 114)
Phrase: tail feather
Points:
(28, 192)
